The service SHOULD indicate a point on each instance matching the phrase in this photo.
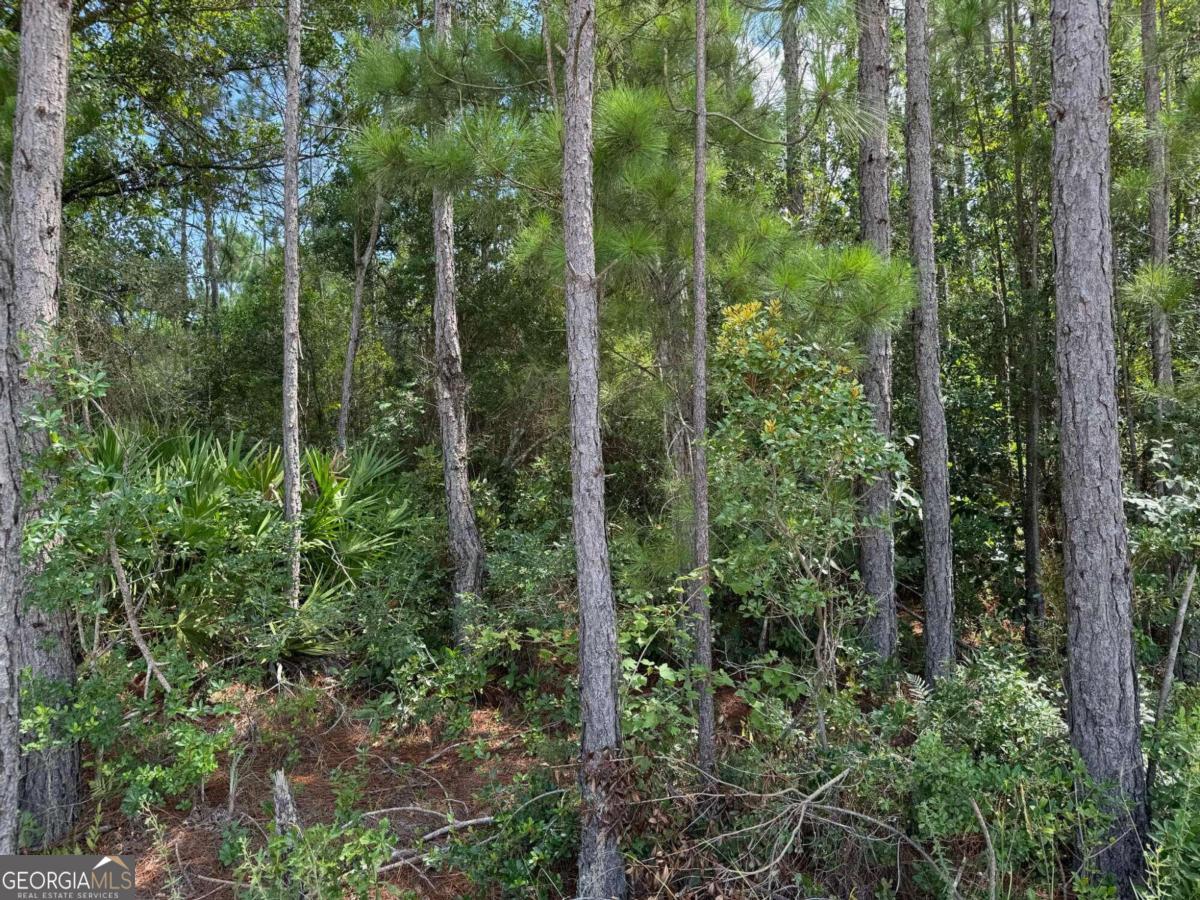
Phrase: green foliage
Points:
(530, 849)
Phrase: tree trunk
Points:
(601, 869)
(935, 455)
(212, 287)
(10, 549)
(466, 546)
(698, 590)
(793, 166)
(50, 778)
(362, 264)
(291, 300)
(1160, 326)
(1101, 678)
(876, 562)
(1029, 278)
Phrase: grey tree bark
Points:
(876, 561)
(601, 869)
(10, 547)
(466, 546)
(50, 778)
(212, 288)
(1160, 326)
(291, 299)
(935, 454)
(1029, 278)
(1101, 678)
(793, 171)
(362, 265)
(698, 590)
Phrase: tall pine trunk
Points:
(466, 546)
(698, 600)
(1029, 278)
(291, 300)
(1101, 679)
(1160, 326)
(50, 778)
(935, 454)
(362, 265)
(876, 553)
(10, 546)
(601, 869)
(793, 172)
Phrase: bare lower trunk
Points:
(10, 547)
(876, 563)
(601, 869)
(362, 265)
(935, 455)
(1101, 678)
(291, 301)
(466, 546)
(698, 599)
(50, 778)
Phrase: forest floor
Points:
(329, 756)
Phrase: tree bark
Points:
(50, 778)
(11, 589)
(793, 166)
(362, 265)
(291, 301)
(698, 590)
(212, 287)
(1029, 278)
(876, 552)
(601, 869)
(466, 546)
(1101, 677)
(1160, 202)
(935, 454)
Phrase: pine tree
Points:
(291, 298)
(44, 637)
(1101, 674)
(466, 546)
(935, 462)
(601, 870)
(876, 553)
(698, 589)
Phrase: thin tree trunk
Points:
(1029, 278)
(1101, 676)
(935, 454)
(11, 589)
(876, 551)
(466, 546)
(1160, 203)
(291, 301)
(212, 287)
(362, 265)
(601, 869)
(698, 593)
(1164, 692)
(793, 168)
(50, 778)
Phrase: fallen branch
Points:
(152, 668)
(991, 851)
(1164, 693)
(402, 856)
